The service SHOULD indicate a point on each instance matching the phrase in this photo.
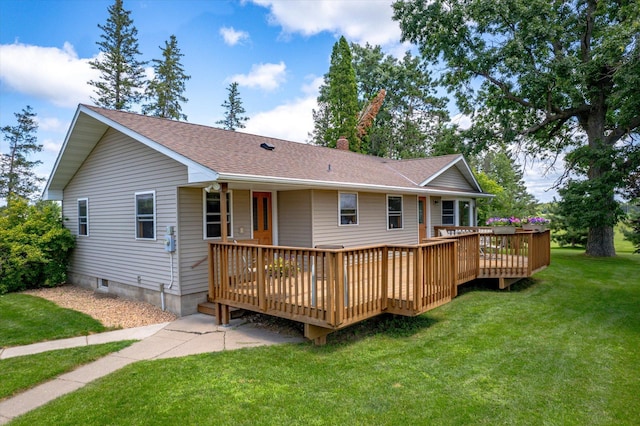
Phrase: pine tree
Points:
(165, 91)
(121, 81)
(233, 118)
(338, 101)
(17, 177)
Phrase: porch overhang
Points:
(292, 183)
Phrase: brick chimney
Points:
(342, 144)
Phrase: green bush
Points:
(34, 246)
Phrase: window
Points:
(146, 215)
(464, 211)
(83, 216)
(348, 208)
(213, 219)
(448, 213)
(394, 211)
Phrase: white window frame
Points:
(204, 215)
(340, 214)
(401, 212)
(86, 200)
(136, 218)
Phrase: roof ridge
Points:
(187, 123)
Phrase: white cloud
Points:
(49, 73)
(51, 145)
(233, 37)
(263, 76)
(290, 121)
(359, 21)
(463, 121)
(51, 124)
(313, 88)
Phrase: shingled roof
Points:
(216, 154)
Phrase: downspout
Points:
(170, 281)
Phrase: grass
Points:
(23, 372)
(622, 245)
(558, 349)
(28, 319)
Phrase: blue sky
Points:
(277, 51)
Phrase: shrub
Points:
(34, 246)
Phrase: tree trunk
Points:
(600, 242)
(600, 237)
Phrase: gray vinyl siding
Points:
(192, 244)
(117, 168)
(372, 221)
(436, 213)
(294, 218)
(241, 215)
(452, 178)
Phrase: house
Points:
(144, 197)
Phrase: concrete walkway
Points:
(193, 334)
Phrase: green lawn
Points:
(28, 319)
(24, 372)
(560, 349)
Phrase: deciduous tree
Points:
(551, 76)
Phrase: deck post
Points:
(477, 254)
(454, 263)
(224, 270)
(211, 296)
(223, 212)
(339, 287)
(529, 253)
(261, 282)
(329, 285)
(316, 333)
(384, 282)
(223, 314)
(418, 283)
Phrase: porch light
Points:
(215, 186)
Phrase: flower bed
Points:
(508, 225)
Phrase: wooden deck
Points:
(328, 289)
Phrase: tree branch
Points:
(560, 117)
(585, 43)
(619, 132)
(507, 93)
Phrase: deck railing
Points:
(501, 256)
(333, 288)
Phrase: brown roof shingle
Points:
(237, 153)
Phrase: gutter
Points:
(319, 184)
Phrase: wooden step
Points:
(209, 308)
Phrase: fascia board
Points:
(319, 184)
